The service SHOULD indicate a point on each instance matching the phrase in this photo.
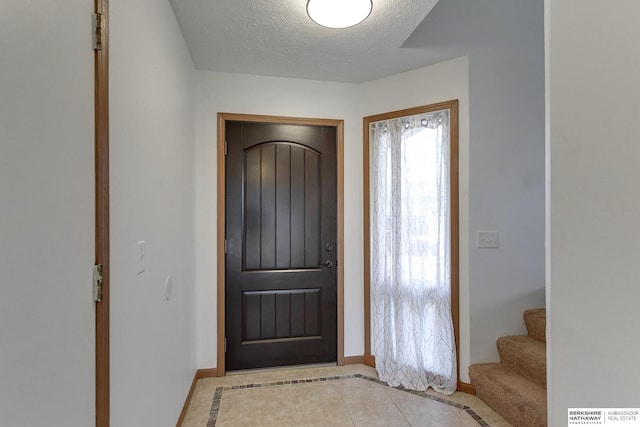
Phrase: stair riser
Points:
(524, 358)
(520, 404)
(536, 323)
(526, 416)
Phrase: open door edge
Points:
(101, 67)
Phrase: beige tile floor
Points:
(344, 402)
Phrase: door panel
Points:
(282, 199)
(280, 217)
(292, 314)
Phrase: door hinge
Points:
(97, 282)
(225, 344)
(225, 148)
(98, 26)
(225, 246)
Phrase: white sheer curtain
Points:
(412, 327)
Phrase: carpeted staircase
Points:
(516, 388)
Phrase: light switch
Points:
(487, 239)
(140, 256)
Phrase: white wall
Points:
(593, 107)
(46, 214)
(504, 41)
(220, 92)
(153, 357)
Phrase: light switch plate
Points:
(140, 256)
(487, 239)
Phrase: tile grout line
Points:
(217, 398)
(353, 423)
(430, 396)
(397, 406)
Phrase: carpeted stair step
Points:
(525, 356)
(536, 322)
(518, 400)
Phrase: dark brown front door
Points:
(280, 290)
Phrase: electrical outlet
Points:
(487, 239)
(140, 256)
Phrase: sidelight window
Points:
(410, 235)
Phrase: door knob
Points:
(328, 263)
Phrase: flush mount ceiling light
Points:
(339, 13)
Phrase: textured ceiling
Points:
(277, 38)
